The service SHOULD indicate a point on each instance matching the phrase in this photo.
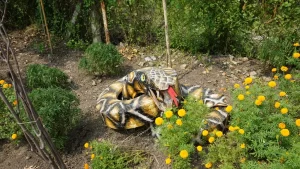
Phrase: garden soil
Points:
(216, 72)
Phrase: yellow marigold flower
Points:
(204, 133)
(236, 86)
(272, 83)
(208, 165)
(241, 131)
(282, 94)
(231, 128)
(284, 68)
(261, 98)
(296, 44)
(14, 136)
(296, 55)
(9, 85)
(86, 145)
(86, 166)
(168, 160)
(199, 148)
(211, 139)
(159, 121)
(277, 105)
(184, 154)
(274, 70)
(248, 80)
(258, 102)
(2, 82)
(243, 145)
(179, 122)
(92, 156)
(228, 109)
(15, 102)
(181, 112)
(275, 77)
(217, 108)
(219, 133)
(281, 125)
(284, 111)
(170, 126)
(247, 87)
(169, 114)
(5, 86)
(247, 92)
(236, 128)
(288, 76)
(242, 160)
(241, 97)
(298, 122)
(285, 132)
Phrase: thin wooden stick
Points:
(107, 39)
(169, 62)
(46, 25)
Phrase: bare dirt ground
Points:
(216, 72)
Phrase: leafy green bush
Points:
(106, 155)
(102, 59)
(77, 44)
(58, 110)
(40, 76)
(8, 126)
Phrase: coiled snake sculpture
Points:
(140, 96)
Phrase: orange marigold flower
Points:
(9, 85)
(284, 68)
(282, 94)
(184, 154)
(15, 102)
(274, 70)
(199, 148)
(236, 86)
(14, 136)
(284, 111)
(169, 114)
(168, 160)
(272, 83)
(204, 133)
(181, 112)
(208, 165)
(211, 139)
(285, 132)
(248, 80)
(228, 109)
(5, 86)
(275, 77)
(277, 105)
(241, 97)
(241, 131)
(219, 133)
(296, 55)
(288, 76)
(243, 145)
(86, 145)
(159, 121)
(86, 166)
(296, 44)
(281, 125)
(179, 122)
(258, 102)
(298, 122)
(261, 98)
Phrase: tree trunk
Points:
(95, 24)
(169, 62)
(107, 39)
(74, 18)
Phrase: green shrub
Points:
(8, 126)
(58, 110)
(102, 59)
(40, 76)
(77, 44)
(106, 155)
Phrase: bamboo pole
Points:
(107, 39)
(46, 25)
(169, 62)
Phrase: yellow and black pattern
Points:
(139, 97)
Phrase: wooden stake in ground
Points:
(107, 39)
(169, 62)
(46, 26)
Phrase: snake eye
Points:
(143, 77)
